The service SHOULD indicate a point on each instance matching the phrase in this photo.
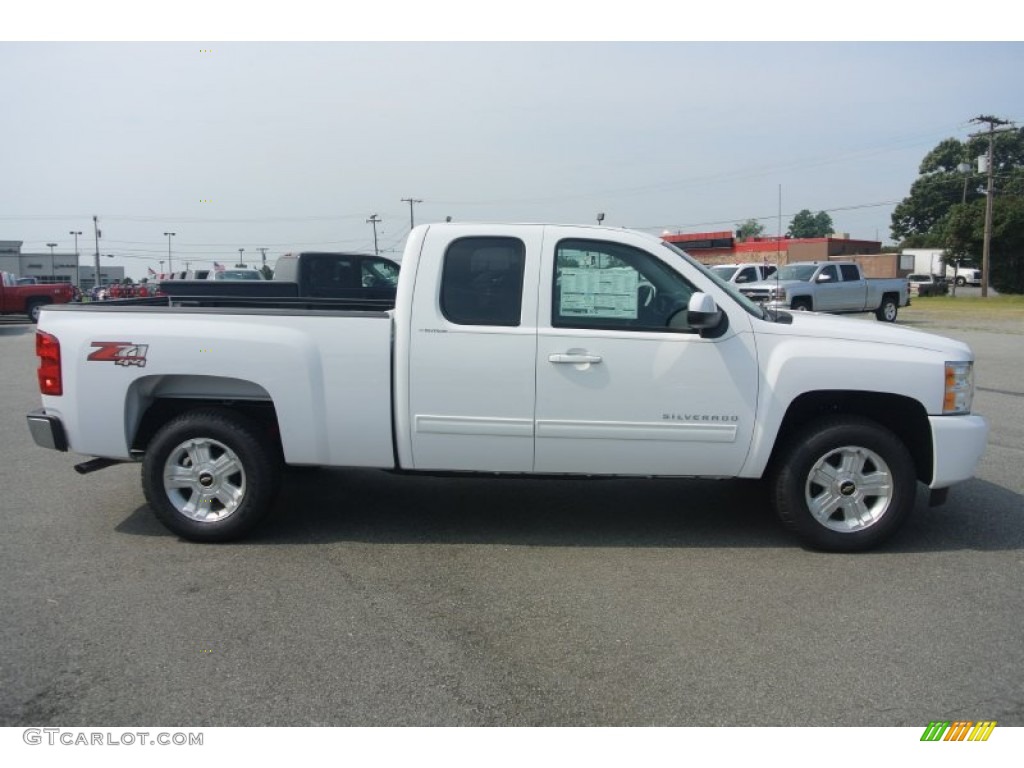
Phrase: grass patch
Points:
(1004, 306)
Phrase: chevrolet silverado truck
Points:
(29, 299)
(514, 350)
(830, 286)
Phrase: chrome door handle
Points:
(573, 358)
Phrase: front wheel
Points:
(961, 281)
(208, 476)
(844, 484)
(888, 310)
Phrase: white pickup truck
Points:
(830, 286)
(514, 349)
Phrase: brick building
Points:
(712, 248)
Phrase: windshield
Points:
(725, 273)
(732, 290)
(797, 272)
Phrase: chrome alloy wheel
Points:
(204, 480)
(849, 489)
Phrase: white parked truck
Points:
(744, 273)
(830, 286)
(519, 350)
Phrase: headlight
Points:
(779, 294)
(959, 392)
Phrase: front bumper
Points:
(957, 445)
(47, 430)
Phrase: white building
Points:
(55, 267)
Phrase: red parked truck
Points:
(30, 299)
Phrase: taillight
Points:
(48, 351)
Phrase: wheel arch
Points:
(152, 401)
(902, 415)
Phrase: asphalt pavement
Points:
(374, 599)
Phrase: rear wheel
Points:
(208, 476)
(844, 484)
(33, 310)
(888, 310)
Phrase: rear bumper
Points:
(47, 430)
(957, 445)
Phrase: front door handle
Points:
(573, 358)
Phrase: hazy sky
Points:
(294, 145)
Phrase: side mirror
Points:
(702, 313)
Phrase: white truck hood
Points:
(823, 326)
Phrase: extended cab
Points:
(519, 350)
(830, 286)
(29, 299)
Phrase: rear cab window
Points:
(482, 281)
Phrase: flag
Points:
(218, 267)
(152, 272)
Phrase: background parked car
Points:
(927, 285)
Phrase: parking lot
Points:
(373, 599)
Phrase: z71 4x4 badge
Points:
(119, 353)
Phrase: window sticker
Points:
(607, 293)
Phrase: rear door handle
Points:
(573, 358)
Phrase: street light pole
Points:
(53, 277)
(170, 263)
(78, 279)
(240, 252)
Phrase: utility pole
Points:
(411, 201)
(986, 247)
(78, 280)
(263, 254)
(96, 232)
(170, 264)
(374, 220)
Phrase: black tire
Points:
(218, 455)
(856, 455)
(801, 305)
(961, 281)
(888, 309)
(33, 308)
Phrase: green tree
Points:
(749, 228)
(919, 221)
(964, 232)
(807, 224)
